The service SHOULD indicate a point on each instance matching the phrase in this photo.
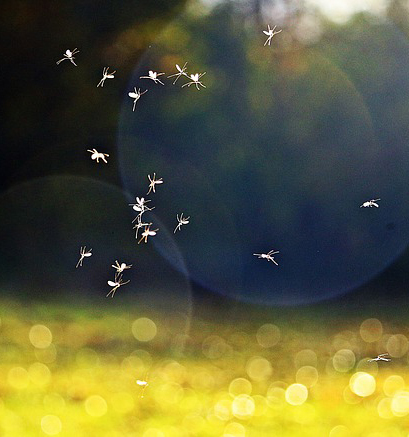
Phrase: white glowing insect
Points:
(120, 267)
(270, 33)
(195, 80)
(153, 75)
(370, 204)
(142, 384)
(83, 254)
(153, 182)
(140, 206)
(268, 256)
(380, 357)
(69, 55)
(139, 225)
(147, 233)
(118, 283)
(106, 75)
(181, 221)
(136, 96)
(182, 72)
(97, 155)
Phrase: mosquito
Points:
(142, 384)
(106, 75)
(69, 55)
(153, 182)
(97, 155)
(118, 283)
(84, 254)
(140, 225)
(153, 75)
(120, 267)
(370, 203)
(136, 96)
(268, 256)
(380, 357)
(270, 33)
(195, 80)
(140, 206)
(181, 221)
(147, 233)
(182, 72)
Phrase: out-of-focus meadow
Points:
(72, 370)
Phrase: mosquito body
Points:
(120, 267)
(153, 182)
(118, 283)
(380, 357)
(70, 56)
(140, 207)
(153, 75)
(84, 253)
(181, 221)
(270, 33)
(95, 155)
(268, 256)
(147, 233)
(106, 75)
(142, 384)
(195, 80)
(182, 72)
(140, 225)
(136, 96)
(370, 204)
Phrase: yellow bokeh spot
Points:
(397, 345)
(371, 330)
(350, 397)
(243, 406)
(304, 414)
(86, 358)
(215, 347)
(153, 432)
(240, 386)
(339, 431)
(258, 368)
(268, 335)
(343, 360)
(362, 384)
(234, 429)
(40, 336)
(296, 394)
(169, 393)
(96, 406)
(51, 425)
(392, 384)
(47, 355)
(122, 402)
(194, 423)
(385, 408)
(18, 377)
(53, 401)
(144, 329)
(222, 409)
(306, 357)
(307, 375)
(400, 403)
(261, 405)
(275, 397)
(39, 373)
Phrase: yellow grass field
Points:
(71, 371)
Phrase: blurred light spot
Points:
(296, 394)
(96, 406)
(343, 360)
(339, 431)
(51, 425)
(133, 366)
(46, 355)
(175, 372)
(39, 374)
(240, 386)
(268, 335)
(214, 347)
(86, 358)
(275, 397)
(400, 403)
(350, 397)
(53, 401)
(144, 329)
(18, 377)
(202, 380)
(371, 330)
(306, 357)
(153, 432)
(369, 367)
(261, 405)
(243, 406)
(40, 336)
(234, 429)
(392, 384)
(169, 393)
(307, 375)
(222, 409)
(122, 402)
(304, 414)
(397, 345)
(76, 335)
(363, 384)
(194, 423)
(239, 339)
(385, 408)
(258, 368)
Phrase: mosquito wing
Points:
(266, 32)
(133, 95)
(112, 284)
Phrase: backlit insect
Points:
(118, 283)
(139, 224)
(153, 75)
(147, 233)
(153, 181)
(370, 204)
(70, 56)
(120, 267)
(83, 254)
(95, 155)
(106, 75)
(181, 221)
(270, 33)
(136, 96)
(268, 256)
(142, 384)
(381, 357)
(182, 72)
(140, 206)
(195, 80)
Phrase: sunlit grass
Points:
(70, 371)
